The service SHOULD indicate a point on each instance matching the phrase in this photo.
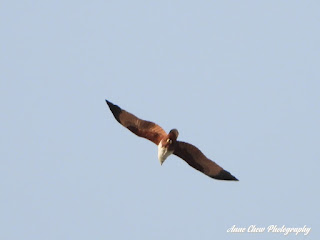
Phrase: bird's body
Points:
(163, 153)
(168, 144)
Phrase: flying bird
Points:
(168, 144)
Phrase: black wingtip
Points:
(108, 102)
(225, 175)
(116, 110)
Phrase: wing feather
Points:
(196, 159)
(141, 128)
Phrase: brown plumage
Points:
(196, 159)
(168, 144)
(141, 128)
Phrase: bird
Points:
(168, 144)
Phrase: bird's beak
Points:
(161, 162)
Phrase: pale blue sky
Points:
(238, 79)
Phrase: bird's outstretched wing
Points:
(141, 128)
(196, 159)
